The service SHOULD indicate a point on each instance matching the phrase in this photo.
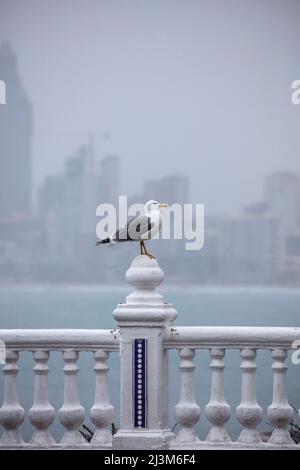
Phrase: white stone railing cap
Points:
(144, 273)
(144, 304)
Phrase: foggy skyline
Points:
(199, 88)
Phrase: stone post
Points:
(144, 362)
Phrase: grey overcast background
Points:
(195, 87)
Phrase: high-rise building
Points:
(108, 180)
(171, 189)
(16, 125)
(69, 200)
(67, 207)
(50, 194)
(248, 249)
(282, 195)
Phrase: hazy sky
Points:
(195, 87)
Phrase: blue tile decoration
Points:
(139, 382)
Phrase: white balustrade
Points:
(249, 413)
(41, 414)
(71, 414)
(217, 411)
(102, 412)
(144, 337)
(11, 413)
(280, 412)
(187, 411)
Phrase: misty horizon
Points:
(180, 102)
(195, 88)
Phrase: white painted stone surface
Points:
(217, 410)
(187, 411)
(41, 414)
(102, 412)
(249, 413)
(11, 413)
(280, 412)
(144, 315)
(71, 414)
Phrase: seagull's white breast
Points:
(155, 217)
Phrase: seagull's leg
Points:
(142, 248)
(146, 252)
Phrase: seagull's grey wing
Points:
(134, 229)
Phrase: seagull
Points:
(140, 228)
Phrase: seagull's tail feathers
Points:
(108, 242)
(104, 241)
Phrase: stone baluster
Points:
(249, 413)
(102, 412)
(187, 411)
(71, 414)
(11, 413)
(217, 411)
(280, 412)
(41, 414)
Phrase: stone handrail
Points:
(60, 339)
(231, 337)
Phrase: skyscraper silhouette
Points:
(16, 123)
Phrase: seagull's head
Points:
(154, 206)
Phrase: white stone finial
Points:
(144, 304)
(144, 275)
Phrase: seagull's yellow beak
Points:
(164, 204)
